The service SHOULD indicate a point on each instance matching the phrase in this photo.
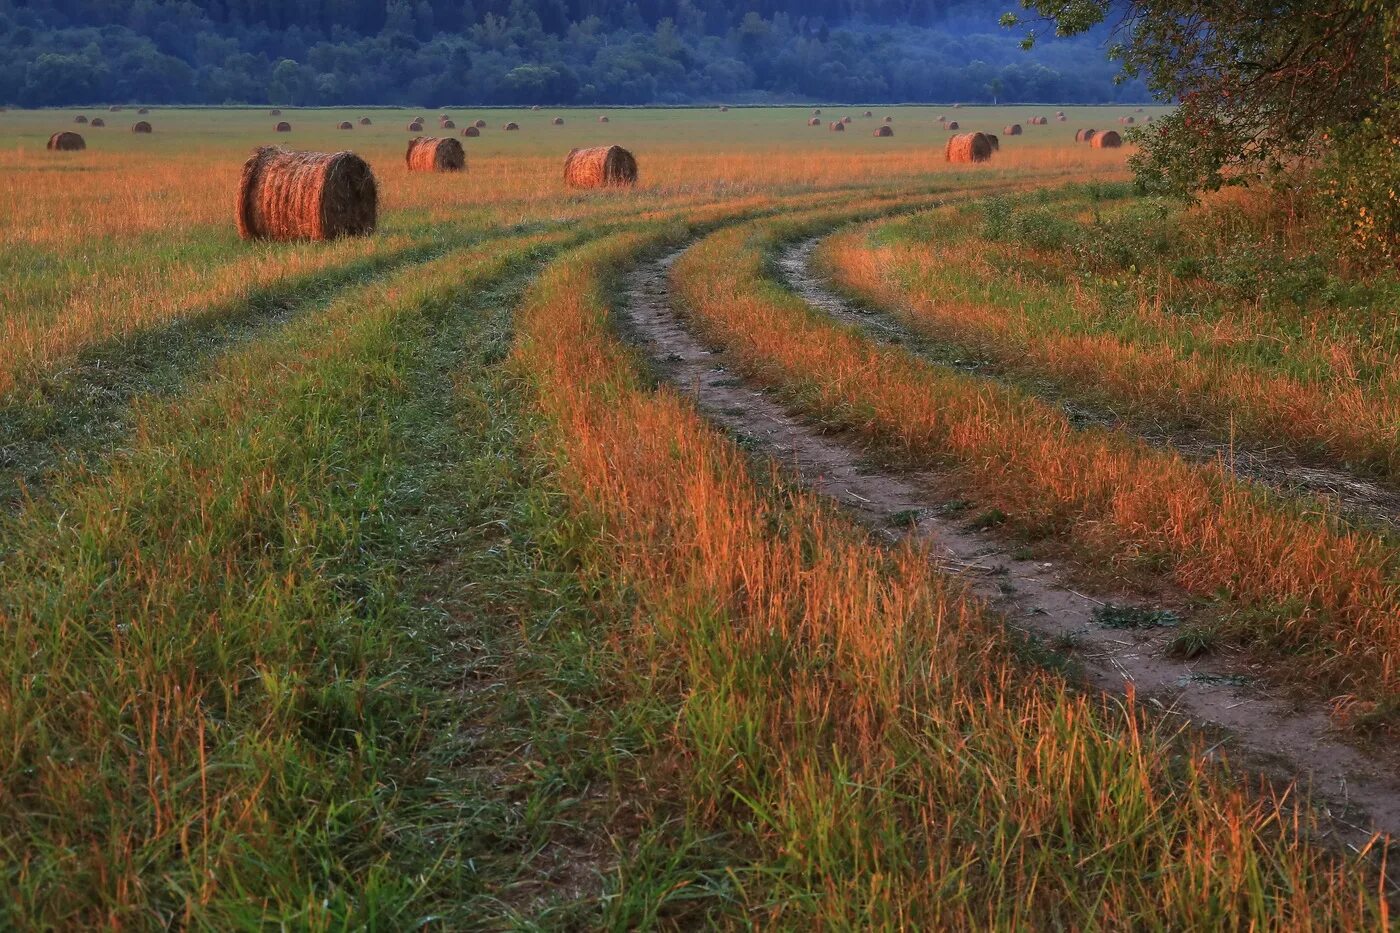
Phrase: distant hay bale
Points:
(1084, 136)
(724, 110)
(536, 107)
(942, 119)
(1012, 130)
(558, 121)
(80, 119)
(1127, 120)
(951, 125)
(600, 167)
(140, 126)
(994, 140)
(886, 130)
(1059, 117)
(471, 131)
(867, 114)
(442, 116)
(114, 109)
(1139, 110)
(431, 154)
(480, 124)
(817, 112)
(143, 111)
(345, 125)
(604, 119)
(283, 127)
(286, 195)
(1039, 121)
(889, 119)
(847, 120)
(366, 121)
(957, 106)
(98, 122)
(837, 126)
(1107, 140)
(416, 126)
(66, 142)
(815, 121)
(274, 112)
(968, 147)
(512, 127)
(446, 125)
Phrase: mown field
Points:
(387, 582)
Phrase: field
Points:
(816, 533)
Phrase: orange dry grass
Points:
(1120, 500)
(852, 725)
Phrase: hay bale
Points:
(536, 107)
(447, 125)
(66, 142)
(889, 119)
(867, 115)
(600, 167)
(480, 124)
(471, 131)
(1084, 136)
(140, 126)
(1061, 118)
(724, 110)
(416, 126)
(1139, 110)
(1108, 140)
(885, 130)
(286, 195)
(847, 120)
(274, 112)
(942, 119)
(951, 125)
(968, 147)
(283, 127)
(98, 122)
(1039, 121)
(815, 121)
(604, 119)
(817, 112)
(114, 109)
(994, 140)
(345, 125)
(957, 106)
(366, 121)
(1012, 130)
(837, 126)
(512, 127)
(80, 119)
(557, 121)
(431, 154)
(1126, 121)
(143, 111)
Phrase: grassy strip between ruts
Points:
(852, 740)
(1303, 588)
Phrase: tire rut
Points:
(1355, 793)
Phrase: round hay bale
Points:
(98, 122)
(604, 119)
(366, 121)
(994, 140)
(968, 147)
(847, 120)
(286, 195)
(1038, 121)
(512, 127)
(1126, 121)
(1012, 130)
(471, 131)
(885, 130)
(431, 154)
(442, 116)
(283, 127)
(557, 121)
(724, 110)
(1084, 136)
(815, 121)
(837, 126)
(80, 119)
(1061, 118)
(951, 125)
(480, 124)
(1107, 140)
(600, 167)
(114, 109)
(1139, 110)
(416, 126)
(345, 125)
(66, 142)
(817, 112)
(867, 115)
(140, 126)
(447, 125)
(942, 119)
(536, 107)
(889, 119)
(274, 112)
(143, 111)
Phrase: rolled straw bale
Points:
(1126, 121)
(886, 130)
(1107, 140)
(724, 110)
(143, 111)
(837, 126)
(512, 127)
(1084, 136)
(1139, 110)
(286, 195)
(604, 119)
(471, 131)
(1038, 121)
(951, 125)
(480, 124)
(600, 167)
(968, 147)
(815, 121)
(817, 112)
(889, 119)
(114, 109)
(847, 120)
(416, 126)
(140, 126)
(283, 127)
(536, 107)
(66, 142)
(80, 119)
(867, 114)
(98, 122)
(274, 112)
(558, 121)
(1012, 130)
(1060, 118)
(366, 121)
(431, 154)
(345, 125)
(447, 125)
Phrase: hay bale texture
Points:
(286, 195)
(66, 142)
(471, 131)
(884, 131)
(1084, 136)
(1012, 130)
(1106, 140)
(968, 147)
(283, 127)
(141, 126)
(431, 154)
(600, 167)
(98, 122)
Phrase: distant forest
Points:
(511, 52)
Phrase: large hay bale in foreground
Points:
(286, 195)
(80, 119)
(66, 142)
(431, 154)
(512, 127)
(884, 131)
(283, 127)
(1012, 130)
(98, 122)
(1084, 136)
(968, 147)
(837, 126)
(141, 126)
(471, 131)
(1107, 140)
(600, 167)
(815, 121)
(345, 125)
(366, 121)
(994, 140)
